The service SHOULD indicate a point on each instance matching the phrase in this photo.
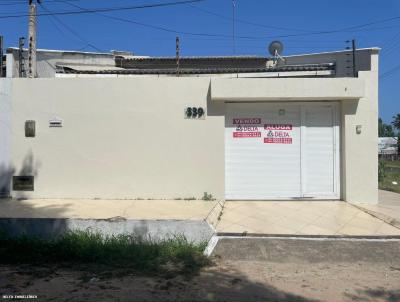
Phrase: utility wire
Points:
(98, 11)
(391, 44)
(161, 28)
(72, 31)
(345, 29)
(244, 21)
(233, 26)
(198, 34)
(57, 27)
(390, 72)
(23, 2)
(109, 9)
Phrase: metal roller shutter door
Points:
(281, 151)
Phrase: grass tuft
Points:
(389, 172)
(167, 257)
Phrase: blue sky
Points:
(258, 23)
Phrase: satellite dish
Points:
(275, 48)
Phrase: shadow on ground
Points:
(213, 284)
(379, 294)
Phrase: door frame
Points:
(337, 156)
(336, 151)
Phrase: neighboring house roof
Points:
(193, 62)
(90, 53)
(199, 69)
(334, 63)
(387, 140)
(387, 145)
(97, 68)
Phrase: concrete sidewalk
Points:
(388, 208)
(158, 219)
(299, 218)
(315, 218)
(107, 208)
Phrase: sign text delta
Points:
(278, 134)
(248, 130)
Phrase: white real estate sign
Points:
(282, 151)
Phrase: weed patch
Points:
(389, 175)
(123, 252)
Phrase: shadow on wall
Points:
(214, 108)
(19, 216)
(47, 218)
(29, 167)
(6, 174)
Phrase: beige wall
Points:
(359, 106)
(127, 137)
(287, 89)
(121, 138)
(6, 170)
(360, 151)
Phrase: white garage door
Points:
(281, 151)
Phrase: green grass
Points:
(129, 253)
(392, 163)
(391, 172)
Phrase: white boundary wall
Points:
(5, 136)
(128, 138)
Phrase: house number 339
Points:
(194, 112)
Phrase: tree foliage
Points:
(396, 121)
(396, 125)
(385, 130)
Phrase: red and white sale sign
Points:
(252, 128)
(246, 130)
(277, 140)
(246, 121)
(278, 134)
(278, 127)
(246, 134)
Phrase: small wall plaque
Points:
(30, 129)
(23, 183)
(55, 122)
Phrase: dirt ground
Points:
(224, 281)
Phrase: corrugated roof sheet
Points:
(87, 67)
(192, 62)
(198, 58)
(284, 68)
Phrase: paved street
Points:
(246, 269)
